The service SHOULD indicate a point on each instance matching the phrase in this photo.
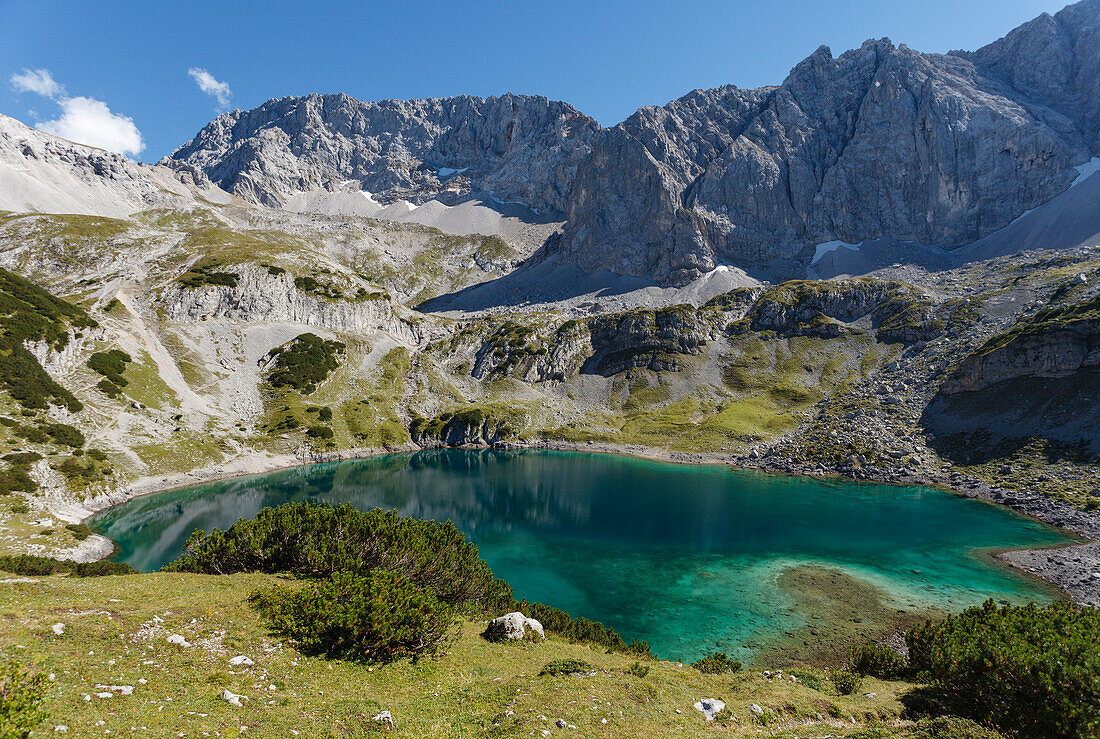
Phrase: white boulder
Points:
(710, 707)
(512, 625)
(232, 698)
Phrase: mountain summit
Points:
(881, 142)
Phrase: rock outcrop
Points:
(1041, 378)
(516, 147)
(45, 173)
(260, 297)
(653, 339)
(1055, 343)
(895, 310)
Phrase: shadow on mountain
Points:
(550, 280)
(995, 422)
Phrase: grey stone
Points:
(710, 707)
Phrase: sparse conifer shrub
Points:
(379, 617)
(845, 682)
(716, 664)
(319, 540)
(565, 667)
(304, 363)
(22, 695)
(878, 661)
(1030, 671)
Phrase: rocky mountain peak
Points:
(516, 147)
(882, 142)
(879, 142)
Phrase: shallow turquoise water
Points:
(685, 557)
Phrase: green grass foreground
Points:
(116, 631)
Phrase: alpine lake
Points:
(691, 558)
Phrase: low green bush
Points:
(557, 621)
(323, 414)
(952, 727)
(811, 680)
(379, 617)
(637, 669)
(1030, 671)
(22, 695)
(845, 682)
(64, 434)
(319, 432)
(304, 363)
(22, 457)
(111, 364)
(80, 531)
(320, 540)
(878, 661)
(29, 565)
(203, 274)
(101, 569)
(564, 667)
(716, 664)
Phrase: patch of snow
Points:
(823, 249)
(448, 172)
(1086, 170)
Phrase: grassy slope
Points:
(112, 637)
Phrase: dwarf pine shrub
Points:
(317, 541)
(1030, 671)
(378, 617)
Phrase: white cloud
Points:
(91, 122)
(38, 81)
(83, 120)
(211, 86)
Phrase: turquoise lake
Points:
(686, 557)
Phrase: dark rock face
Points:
(653, 339)
(519, 147)
(1056, 343)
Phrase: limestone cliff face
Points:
(1041, 378)
(518, 147)
(259, 297)
(881, 141)
(605, 345)
(653, 339)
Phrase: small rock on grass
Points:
(58, 629)
(240, 659)
(386, 719)
(710, 707)
(232, 698)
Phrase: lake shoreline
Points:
(1073, 569)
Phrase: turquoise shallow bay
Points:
(686, 557)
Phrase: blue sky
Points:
(112, 61)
